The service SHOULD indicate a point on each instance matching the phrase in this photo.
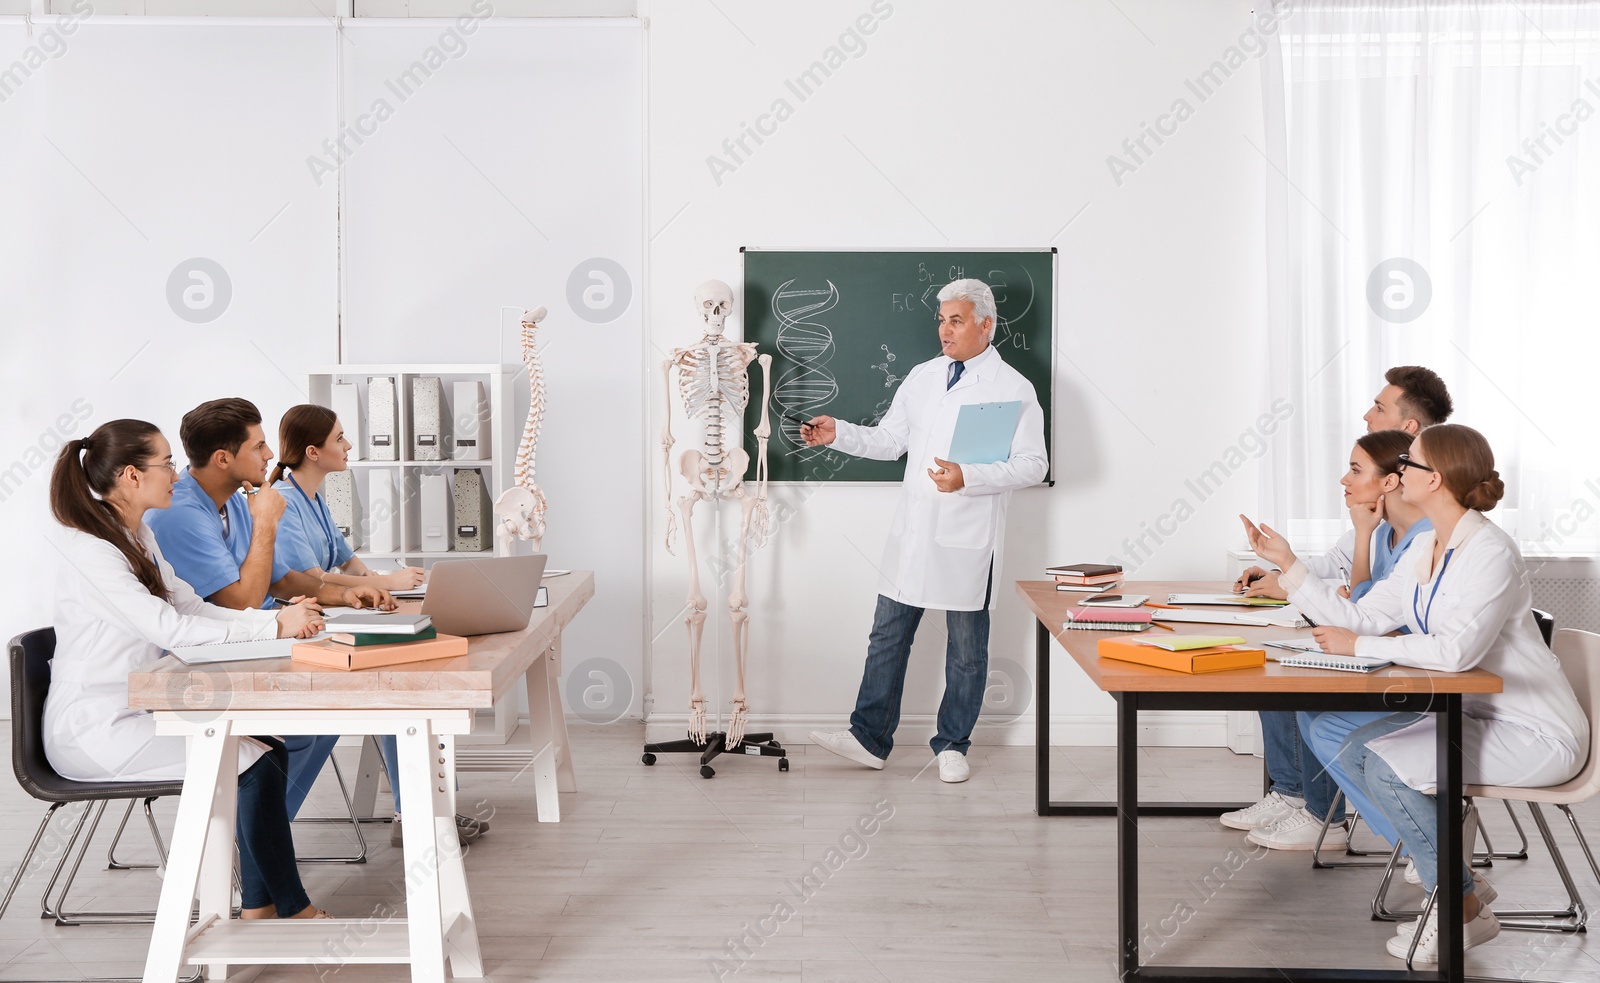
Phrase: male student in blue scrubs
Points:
(220, 537)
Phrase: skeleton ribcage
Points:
(715, 389)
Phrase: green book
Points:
(359, 638)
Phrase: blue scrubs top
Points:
(1385, 558)
(193, 539)
(307, 537)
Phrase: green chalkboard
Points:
(843, 328)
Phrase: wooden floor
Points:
(656, 874)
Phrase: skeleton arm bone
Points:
(666, 450)
(763, 432)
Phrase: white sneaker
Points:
(1481, 889)
(953, 767)
(844, 744)
(1476, 933)
(1299, 831)
(1273, 807)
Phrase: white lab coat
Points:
(1532, 735)
(941, 544)
(107, 626)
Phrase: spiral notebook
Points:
(1108, 619)
(1342, 663)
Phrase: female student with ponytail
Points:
(119, 606)
(1463, 593)
(311, 444)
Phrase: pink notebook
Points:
(1104, 619)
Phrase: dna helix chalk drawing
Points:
(806, 385)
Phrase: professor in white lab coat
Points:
(945, 542)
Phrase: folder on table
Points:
(984, 431)
(1195, 660)
(335, 655)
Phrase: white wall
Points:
(970, 127)
(488, 188)
(130, 151)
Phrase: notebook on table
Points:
(1108, 619)
(1341, 663)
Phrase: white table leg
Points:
(420, 776)
(544, 709)
(216, 858)
(566, 781)
(204, 773)
(455, 904)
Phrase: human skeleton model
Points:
(519, 511)
(714, 385)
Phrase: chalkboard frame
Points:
(1047, 402)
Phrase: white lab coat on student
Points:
(941, 544)
(107, 626)
(1532, 735)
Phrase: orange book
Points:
(1195, 660)
(337, 656)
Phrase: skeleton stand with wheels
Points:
(714, 384)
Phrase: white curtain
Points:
(1434, 199)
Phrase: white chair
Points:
(1579, 652)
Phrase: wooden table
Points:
(425, 705)
(1269, 687)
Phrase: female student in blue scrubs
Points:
(1290, 816)
(311, 443)
(1462, 592)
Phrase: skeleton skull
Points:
(714, 300)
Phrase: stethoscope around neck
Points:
(322, 519)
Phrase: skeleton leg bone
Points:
(738, 609)
(689, 465)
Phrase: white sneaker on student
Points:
(1476, 932)
(953, 767)
(1299, 831)
(1273, 807)
(1481, 889)
(844, 744)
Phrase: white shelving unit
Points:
(499, 384)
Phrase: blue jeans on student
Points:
(267, 872)
(1326, 735)
(966, 670)
(1411, 814)
(1294, 770)
(307, 755)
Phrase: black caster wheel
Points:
(773, 744)
(706, 771)
(783, 764)
(648, 758)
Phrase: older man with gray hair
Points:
(945, 542)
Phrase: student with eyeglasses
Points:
(119, 608)
(1463, 593)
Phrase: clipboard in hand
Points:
(984, 431)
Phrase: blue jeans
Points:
(1294, 770)
(1326, 735)
(267, 872)
(966, 670)
(307, 755)
(1411, 814)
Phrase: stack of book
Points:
(1108, 619)
(1086, 578)
(364, 640)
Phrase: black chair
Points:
(30, 655)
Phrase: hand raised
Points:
(1268, 545)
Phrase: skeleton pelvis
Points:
(724, 479)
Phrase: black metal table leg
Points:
(1452, 961)
(1128, 831)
